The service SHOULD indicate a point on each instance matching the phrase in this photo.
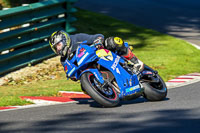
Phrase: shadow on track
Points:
(165, 121)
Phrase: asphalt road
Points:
(180, 18)
(179, 113)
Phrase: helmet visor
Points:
(58, 47)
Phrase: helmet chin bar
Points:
(64, 51)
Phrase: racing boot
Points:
(137, 64)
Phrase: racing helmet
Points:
(114, 43)
(62, 39)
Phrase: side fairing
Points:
(125, 81)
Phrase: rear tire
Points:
(105, 96)
(155, 91)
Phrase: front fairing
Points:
(84, 55)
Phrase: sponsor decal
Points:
(104, 54)
(71, 72)
(81, 52)
(115, 63)
(118, 41)
(81, 60)
(117, 70)
(133, 89)
(66, 68)
(107, 51)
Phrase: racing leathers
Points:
(110, 44)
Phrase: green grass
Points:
(170, 56)
(12, 101)
(9, 95)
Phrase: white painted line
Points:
(194, 74)
(35, 105)
(41, 102)
(178, 80)
(184, 76)
(196, 46)
(71, 92)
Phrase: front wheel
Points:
(103, 94)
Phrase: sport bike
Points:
(109, 78)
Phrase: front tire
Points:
(106, 96)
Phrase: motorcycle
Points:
(109, 78)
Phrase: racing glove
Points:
(98, 42)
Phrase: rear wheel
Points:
(103, 94)
(155, 90)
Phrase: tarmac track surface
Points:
(178, 113)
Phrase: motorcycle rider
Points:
(65, 45)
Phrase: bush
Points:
(14, 3)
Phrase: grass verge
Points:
(9, 94)
(170, 56)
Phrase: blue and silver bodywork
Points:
(127, 83)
